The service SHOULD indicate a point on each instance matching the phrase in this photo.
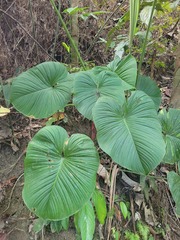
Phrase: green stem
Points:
(146, 38)
(68, 33)
(134, 12)
(70, 105)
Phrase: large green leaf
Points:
(42, 90)
(147, 85)
(126, 69)
(171, 130)
(174, 185)
(89, 87)
(85, 221)
(60, 173)
(130, 133)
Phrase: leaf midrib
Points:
(127, 127)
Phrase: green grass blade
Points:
(134, 12)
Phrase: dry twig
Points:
(132, 212)
(10, 197)
(111, 200)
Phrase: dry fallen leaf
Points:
(164, 170)
(30, 228)
(117, 213)
(102, 172)
(149, 216)
(58, 116)
(4, 111)
(135, 185)
(137, 216)
(14, 147)
(168, 92)
(139, 198)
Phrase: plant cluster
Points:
(160, 34)
(60, 170)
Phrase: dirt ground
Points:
(19, 51)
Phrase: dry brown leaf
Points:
(14, 147)
(164, 170)
(137, 216)
(117, 213)
(149, 216)
(102, 172)
(139, 198)
(30, 228)
(58, 116)
(168, 92)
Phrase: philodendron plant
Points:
(60, 170)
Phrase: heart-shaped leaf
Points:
(89, 87)
(60, 173)
(41, 90)
(126, 69)
(171, 130)
(147, 85)
(174, 185)
(130, 133)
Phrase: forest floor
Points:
(19, 52)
